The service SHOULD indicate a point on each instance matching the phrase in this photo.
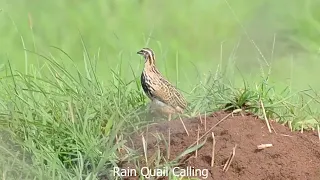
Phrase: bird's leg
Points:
(169, 117)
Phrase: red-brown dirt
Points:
(293, 156)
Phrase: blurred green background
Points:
(193, 37)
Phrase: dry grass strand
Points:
(229, 161)
(213, 149)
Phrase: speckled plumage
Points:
(159, 90)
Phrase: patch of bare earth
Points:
(293, 156)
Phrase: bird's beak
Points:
(140, 52)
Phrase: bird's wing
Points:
(178, 98)
(169, 95)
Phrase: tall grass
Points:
(191, 31)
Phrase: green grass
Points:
(191, 33)
(70, 76)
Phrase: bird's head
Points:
(148, 55)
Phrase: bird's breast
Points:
(146, 85)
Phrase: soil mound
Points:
(294, 155)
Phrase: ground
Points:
(294, 155)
